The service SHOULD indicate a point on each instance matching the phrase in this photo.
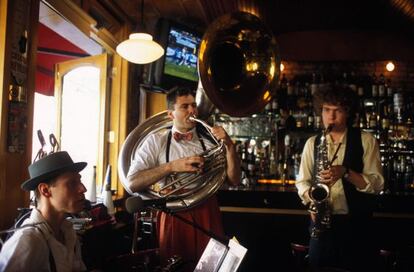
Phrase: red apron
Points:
(178, 238)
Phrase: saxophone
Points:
(319, 191)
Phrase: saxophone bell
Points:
(319, 192)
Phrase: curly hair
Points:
(177, 92)
(337, 95)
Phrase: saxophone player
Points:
(174, 151)
(354, 177)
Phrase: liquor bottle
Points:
(286, 166)
(310, 119)
(275, 106)
(268, 108)
(389, 99)
(352, 82)
(280, 166)
(389, 89)
(318, 122)
(401, 172)
(296, 165)
(244, 162)
(314, 85)
(409, 128)
(107, 196)
(251, 167)
(385, 125)
(283, 84)
(290, 121)
(398, 102)
(362, 116)
(373, 120)
(263, 171)
(257, 162)
(374, 86)
(321, 84)
(272, 164)
(381, 86)
(301, 119)
(344, 80)
(290, 88)
(360, 91)
(408, 174)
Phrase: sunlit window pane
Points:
(44, 118)
(80, 117)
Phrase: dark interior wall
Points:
(345, 46)
(361, 52)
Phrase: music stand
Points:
(218, 257)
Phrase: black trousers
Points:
(349, 244)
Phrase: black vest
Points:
(359, 203)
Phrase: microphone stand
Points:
(174, 261)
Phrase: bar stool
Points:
(300, 255)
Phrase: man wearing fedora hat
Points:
(47, 241)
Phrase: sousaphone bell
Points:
(239, 68)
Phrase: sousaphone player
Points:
(175, 151)
(238, 65)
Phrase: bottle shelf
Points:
(386, 111)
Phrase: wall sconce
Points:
(390, 66)
(282, 67)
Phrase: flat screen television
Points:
(178, 66)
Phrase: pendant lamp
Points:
(140, 48)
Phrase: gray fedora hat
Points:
(50, 167)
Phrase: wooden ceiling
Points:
(281, 16)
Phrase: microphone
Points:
(136, 203)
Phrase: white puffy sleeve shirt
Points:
(29, 248)
(152, 151)
(372, 171)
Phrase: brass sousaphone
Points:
(238, 65)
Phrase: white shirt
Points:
(372, 171)
(152, 152)
(29, 248)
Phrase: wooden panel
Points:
(156, 103)
(103, 17)
(13, 166)
(118, 115)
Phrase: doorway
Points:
(71, 92)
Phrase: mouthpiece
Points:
(194, 119)
(207, 126)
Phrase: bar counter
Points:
(266, 219)
(284, 199)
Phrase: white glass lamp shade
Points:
(140, 49)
